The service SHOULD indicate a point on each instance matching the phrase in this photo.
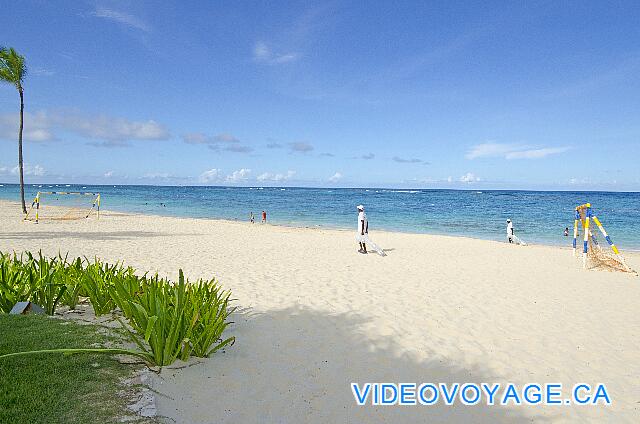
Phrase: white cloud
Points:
(37, 135)
(449, 179)
(490, 150)
(35, 170)
(536, 153)
(226, 138)
(217, 142)
(157, 175)
(196, 138)
(511, 151)
(469, 177)
(237, 148)
(300, 147)
(108, 174)
(405, 160)
(121, 18)
(261, 51)
(238, 176)
(201, 138)
(37, 127)
(163, 177)
(335, 177)
(265, 54)
(41, 126)
(579, 181)
(267, 176)
(210, 176)
(215, 175)
(113, 129)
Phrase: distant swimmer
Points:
(251, 218)
(510, 233)
(264, 217)
(566, 232)
(363, 229)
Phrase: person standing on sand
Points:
(264, 217)
(510, 233)
(251, 218)
(363, 229)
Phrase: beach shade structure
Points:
(63, 206)
(592, 253)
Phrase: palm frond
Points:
(13, 68)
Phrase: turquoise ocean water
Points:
(538, 216)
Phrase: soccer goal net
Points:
(63, 206)
(594, 255)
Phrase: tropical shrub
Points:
(97, 279)
(30, 278)
(45, 283)
(71, 277)
(209, 309)
(175, 320)
(13, 286)
(167, 320)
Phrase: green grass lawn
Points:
(52, 388)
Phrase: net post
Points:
(613, 246)
(26, 216)
(98, 211)
(37, 207)
(575, 231)
(605, 235)
(587, 215)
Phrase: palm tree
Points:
(13, 70)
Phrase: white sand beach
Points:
(315, 316)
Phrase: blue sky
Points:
(541, 95)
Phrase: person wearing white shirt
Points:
(510, 233)
(363, 229)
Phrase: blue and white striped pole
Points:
(575, 231)
(613, 246)
(587, 215)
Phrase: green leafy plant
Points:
(39, 280)
(209, 309)
(158, 316)
(167, 320)
(97, 279)
(13, 283)
(71, 277)
(175, 320)
(45, 286)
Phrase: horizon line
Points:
(329, 187)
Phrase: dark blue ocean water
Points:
(539, 217)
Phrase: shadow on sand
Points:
(112, 235)
(296, 365)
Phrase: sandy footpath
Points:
(317, 316)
